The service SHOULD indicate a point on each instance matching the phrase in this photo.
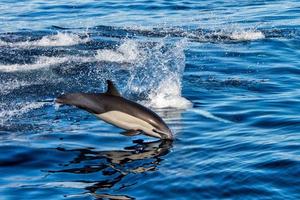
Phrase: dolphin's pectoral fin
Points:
(111, 89)
(131, 133)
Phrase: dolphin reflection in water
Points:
(112, 166)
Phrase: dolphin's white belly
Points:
(125, 121)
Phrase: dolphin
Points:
(114, 109)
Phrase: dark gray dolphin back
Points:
(92, 103)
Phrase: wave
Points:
(59, 39)
(224, 34)
(229, 33)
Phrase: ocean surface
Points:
(224, 75)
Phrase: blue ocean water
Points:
(223, 74)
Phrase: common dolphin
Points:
(114, 109)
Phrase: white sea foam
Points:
(127, 52)
(59, 39)
(246, 35)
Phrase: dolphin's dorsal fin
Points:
(111, 89)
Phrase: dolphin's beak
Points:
(169, 136)
(63, 99)
(164, 135)
(59, 100)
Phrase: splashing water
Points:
(158, 75)
(19, 110)
(246, 35)
(168, 92)
(9, 85)
(167, 95)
